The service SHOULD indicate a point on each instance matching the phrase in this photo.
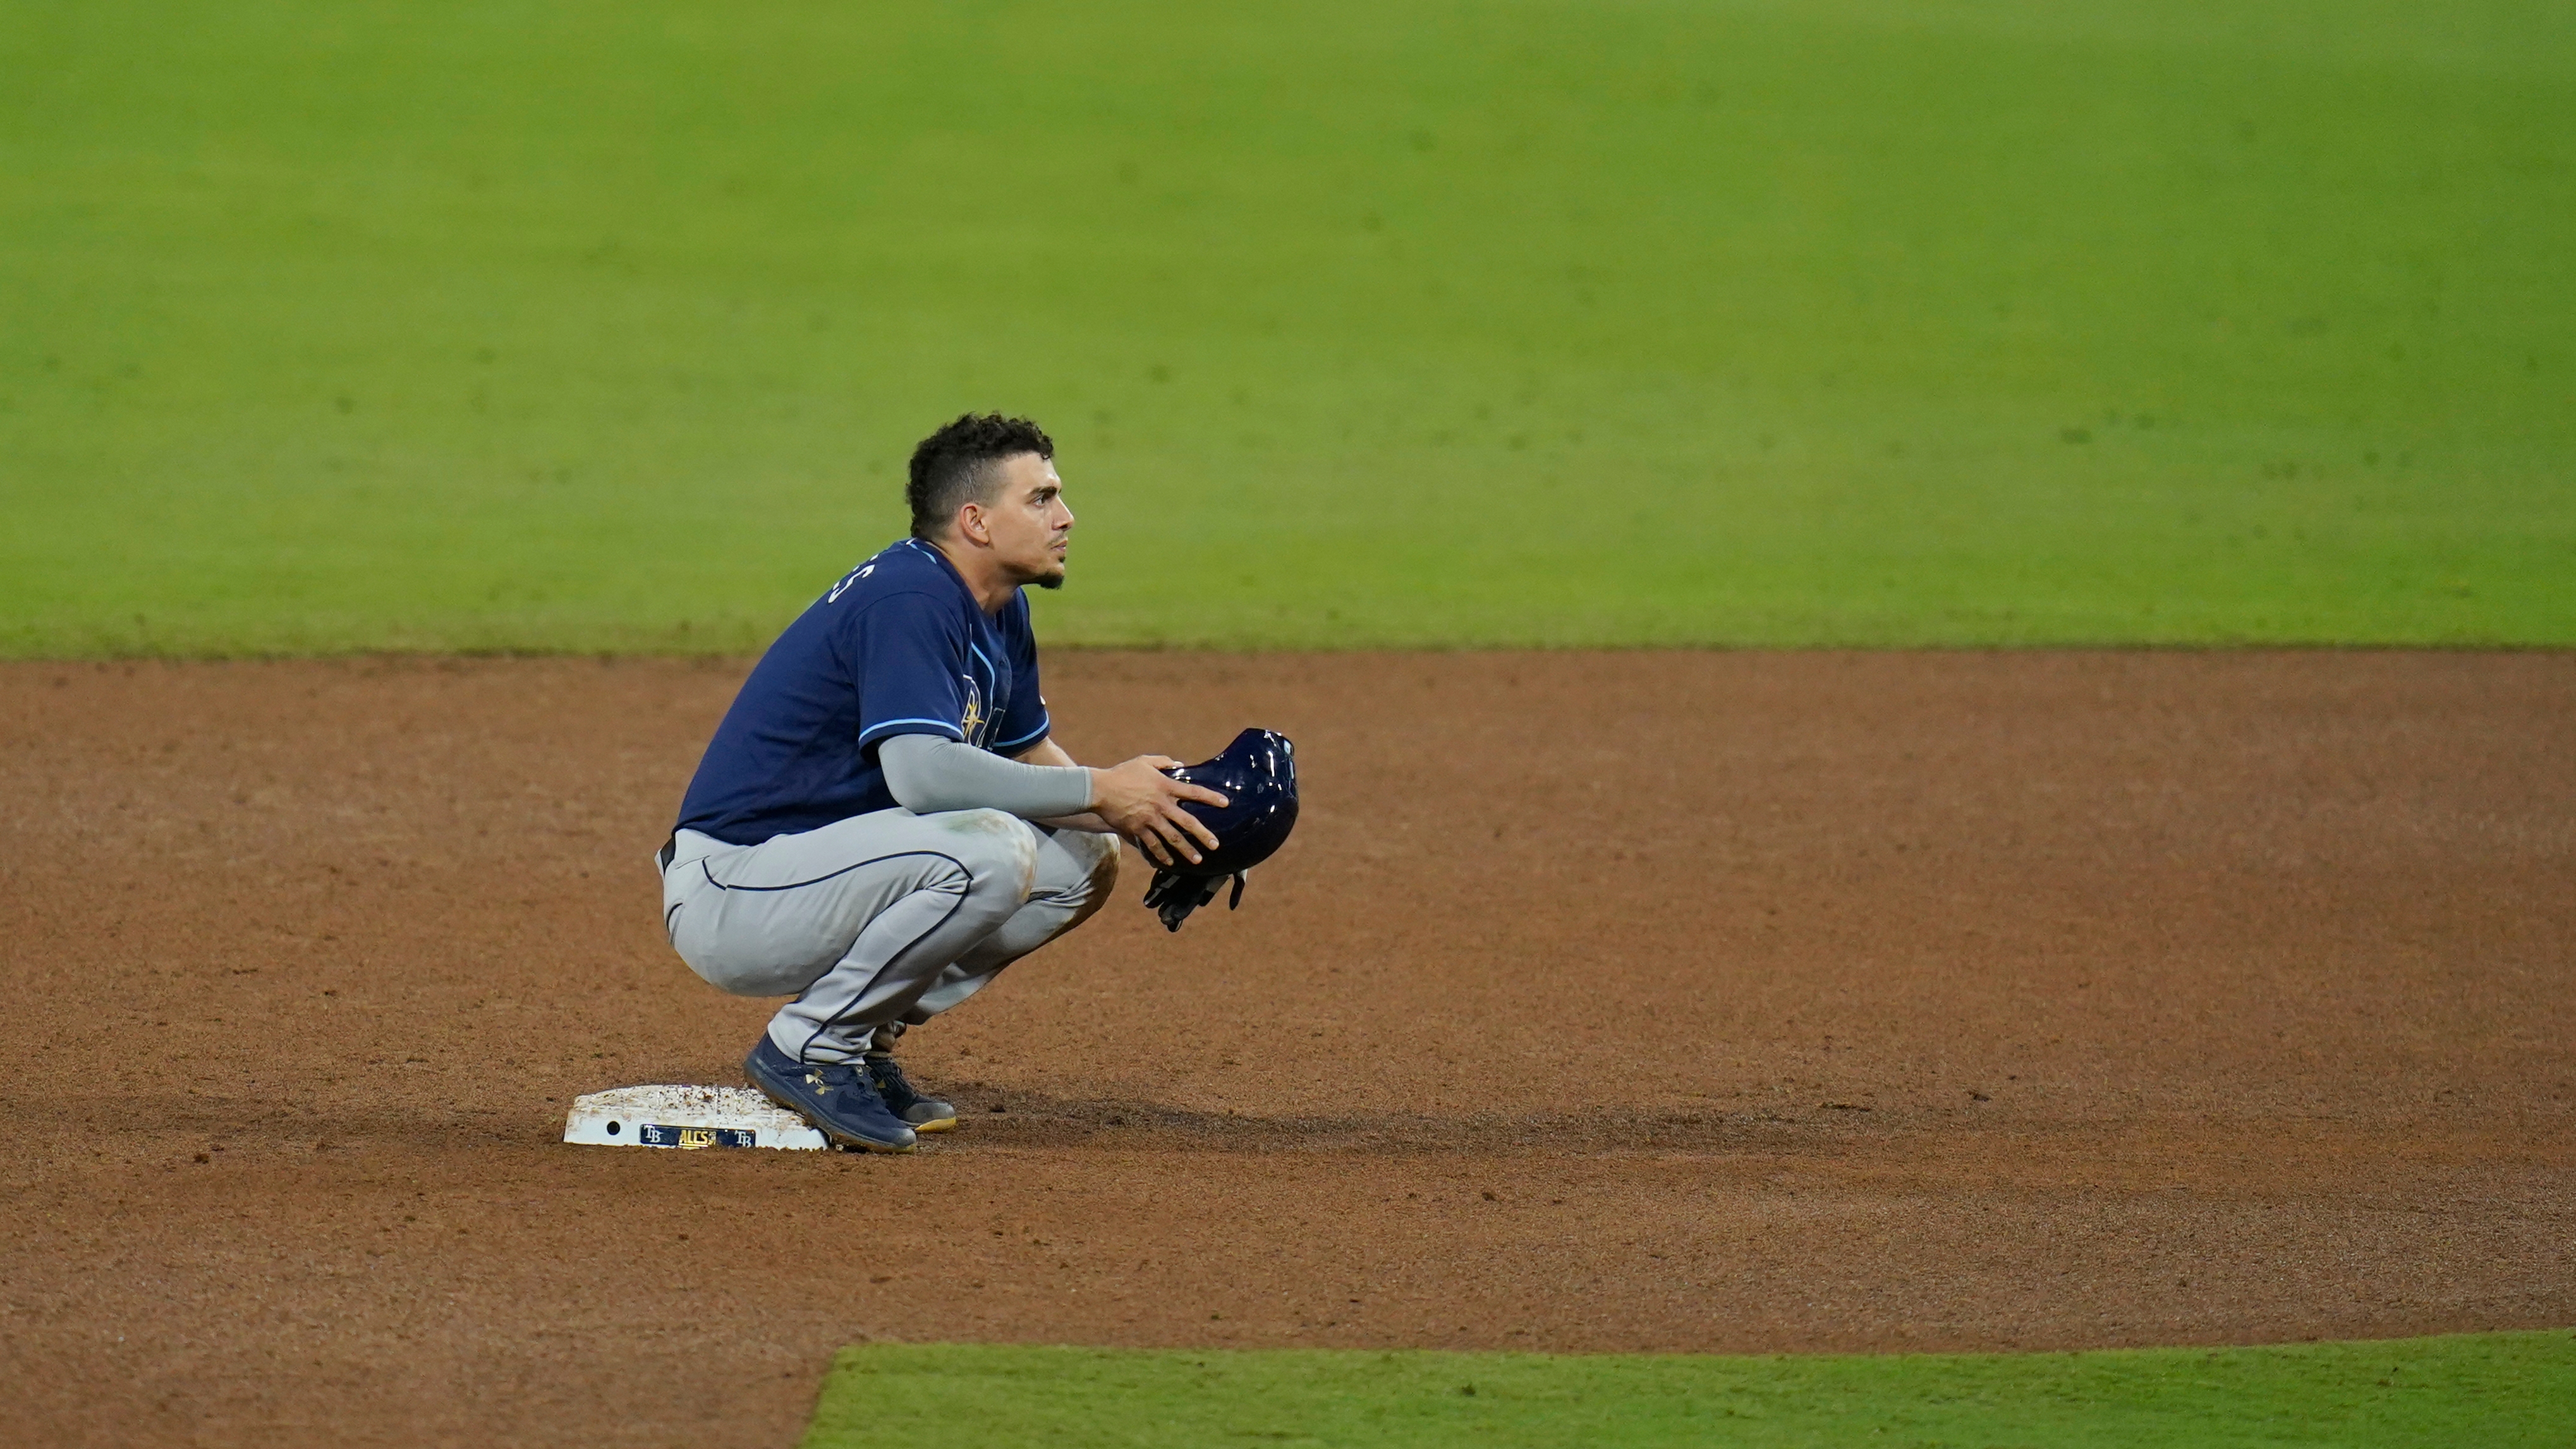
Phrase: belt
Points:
(670, 847)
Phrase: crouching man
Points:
(882, 822)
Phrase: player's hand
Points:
(1144, 805)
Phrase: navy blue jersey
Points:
(897, 647)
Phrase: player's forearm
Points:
(927, 774)
(1044, 752)
(1048, 752)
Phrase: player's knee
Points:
(1000, 850)
(1099, 857)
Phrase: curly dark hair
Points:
(954, 466)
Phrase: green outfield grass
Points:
(2494, 1391)
(591, 325)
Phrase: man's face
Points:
(1027, 522)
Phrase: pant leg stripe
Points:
(893, 956)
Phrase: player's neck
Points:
(983, 573)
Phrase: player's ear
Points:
(971, 525)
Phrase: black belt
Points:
(670, 847)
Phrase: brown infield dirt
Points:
(1647, 1001)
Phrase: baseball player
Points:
(883, 821)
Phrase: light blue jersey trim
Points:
(883, 725)
(1032, 737)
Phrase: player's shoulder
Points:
(907, 570)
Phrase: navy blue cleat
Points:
(925, 1114)
(839, 1099)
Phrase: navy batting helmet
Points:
(1257, 775)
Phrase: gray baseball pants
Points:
(879, 921)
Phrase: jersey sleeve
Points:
(907, 653)
(1024, 721)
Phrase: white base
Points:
(687, 1117)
